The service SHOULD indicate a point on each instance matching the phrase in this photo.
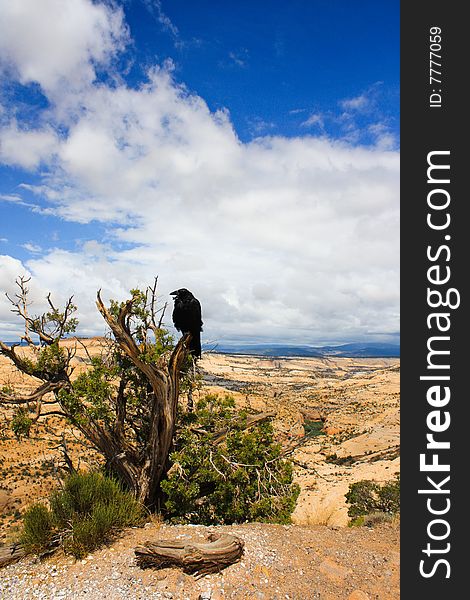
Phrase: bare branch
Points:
(20, 307)
(215, 468)
(84, 346)
(23, 365)
(68, 310)
(162, 315)
(48, 298)
(37, 395)
(54, 412)
(153, 291)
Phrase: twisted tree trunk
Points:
(135, 440)
(144, 471)
(198, 559)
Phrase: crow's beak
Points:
(173, 293)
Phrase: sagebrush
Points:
(88, 511)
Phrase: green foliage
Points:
(313, 428)
(38, 528)
(52, 360)
(91, 394)
(83, 515)
(56, 323)
(21, 422)
(389, 495)
(7, 390)
(340, 460)
(140, 319)
(240, 479)
(366, 497)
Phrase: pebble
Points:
(358, 595)
(333, 570)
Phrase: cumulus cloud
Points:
(54, 43)
(284, 239)
(26, 148)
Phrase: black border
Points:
(425, 129)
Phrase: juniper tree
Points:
(125, 402)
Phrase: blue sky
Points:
(265, 60)
(248, 151)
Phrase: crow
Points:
(187, 318)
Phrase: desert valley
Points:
(337, 419)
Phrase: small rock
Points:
(358, 595)
(333, 570)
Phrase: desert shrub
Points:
(376, 518)
(38, 528)
(21, 423)
(368, 497)
(83, 515)
(340, 460)
(313, 428)
(389, 496)
(242, 478)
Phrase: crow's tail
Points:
(195, 344)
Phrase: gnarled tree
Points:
(125, 402)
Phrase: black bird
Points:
(187, 318)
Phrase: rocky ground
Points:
(340, 419)
(280, 562)
(357, 401)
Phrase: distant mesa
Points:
(351, 350)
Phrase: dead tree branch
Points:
(196, 558)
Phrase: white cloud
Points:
(26, 148)
(33, 248)
(358, 103)
(384, 138)
(57, 42)
(156, 9)
(283, 239)
(239, 57)
(314, 119)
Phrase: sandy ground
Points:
(279, 562)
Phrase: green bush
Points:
(242, 478)
(83, 515)
(313, 428)
(367, 497)
(38, 528)
(21, 423)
